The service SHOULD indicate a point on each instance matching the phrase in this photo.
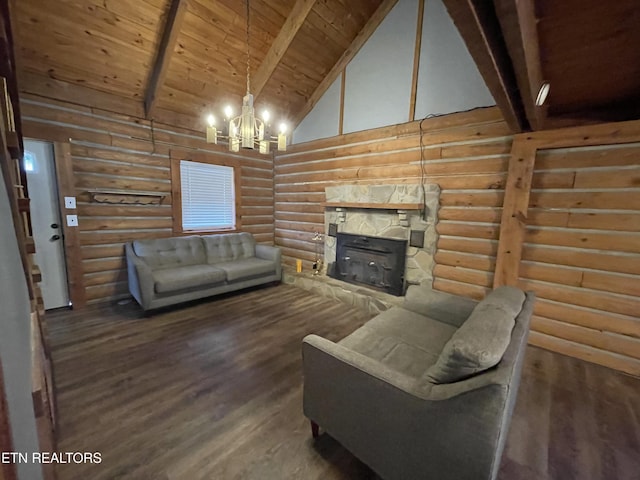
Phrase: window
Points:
(207, 196)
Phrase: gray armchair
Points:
(382, 403)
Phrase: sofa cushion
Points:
(170, 252)
(229, 246)
(481, 341)
(246, 268)
(402, 340)
(193, 276)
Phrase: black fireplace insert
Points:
(371, 261)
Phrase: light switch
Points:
(72, 220)
(69, 202)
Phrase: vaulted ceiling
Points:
(585, 50)
(189, 56)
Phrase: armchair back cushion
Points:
(170, 252)
(228, 247)
(483, 338)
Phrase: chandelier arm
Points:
(248, 56)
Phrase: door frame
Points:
(65, 186)
(71, 235)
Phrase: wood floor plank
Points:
(213, 389)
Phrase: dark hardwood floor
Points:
(213, 391)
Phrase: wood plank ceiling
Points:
(587, 50)
(114, 46)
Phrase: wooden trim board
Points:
(73, 254)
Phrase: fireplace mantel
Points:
(379, 206)
(381, 197)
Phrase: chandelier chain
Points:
(248, 57)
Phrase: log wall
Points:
(120, 152)
(581, 251)
(581, 254)
(466, 154)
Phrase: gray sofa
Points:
(167, 271)
(425, 390)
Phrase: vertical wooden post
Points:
(514, 212)
(416, 62)
(73, 254)
(343, 83)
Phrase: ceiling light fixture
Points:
(246, 130)
(542, 94)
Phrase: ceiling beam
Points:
(477, 23)
(520, 30)
(177, 9)
(351, 51)
(281, 43)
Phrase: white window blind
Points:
(208, 197)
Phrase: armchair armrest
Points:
(140, 278)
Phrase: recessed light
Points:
(542, 94)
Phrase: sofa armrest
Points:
(267, 252)
(140, 278)
(316, 349)
(442, 306)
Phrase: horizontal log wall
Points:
(111, 151)
(582, 245)
(582, 254)
(466, 154)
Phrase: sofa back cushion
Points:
(481, 341)
(229, 246)
(170, 252)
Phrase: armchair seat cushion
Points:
(246, 268)
(402, 340)
(178, 278)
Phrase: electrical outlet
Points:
(72, 220)
(69, 202)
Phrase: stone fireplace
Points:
(392, 212)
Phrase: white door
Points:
(45, 222)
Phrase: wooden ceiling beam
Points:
(477, 23)
(279, 47)
(520, 30)
(172, 25)
(364, 34)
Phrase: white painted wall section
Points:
(323, 120)
(379, 78)
(378, 83)
(448, 79)
(15, 344)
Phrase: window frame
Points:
(176, 189)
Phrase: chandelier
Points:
(246, 130)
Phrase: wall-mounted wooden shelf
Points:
(128, 197)
(379, 206)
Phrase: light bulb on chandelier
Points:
(247, 130)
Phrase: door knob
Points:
(54, 238)
(55, 225)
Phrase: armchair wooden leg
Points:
(315, 429)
